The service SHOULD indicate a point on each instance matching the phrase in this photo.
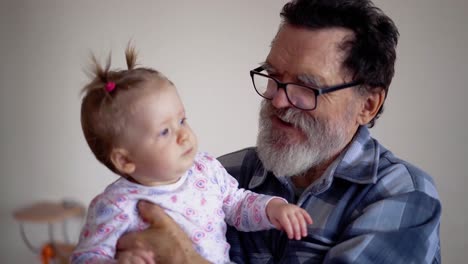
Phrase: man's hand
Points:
(137, 256)
(164, 238)
(288, 217)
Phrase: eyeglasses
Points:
(300, 96)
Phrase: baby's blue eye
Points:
(164, 132)
(183, 120)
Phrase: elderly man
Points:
(324, 82)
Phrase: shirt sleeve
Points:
(245, 210)
(105, 223)
(402, 228)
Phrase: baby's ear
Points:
(121, 160)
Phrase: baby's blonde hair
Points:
(107, 100)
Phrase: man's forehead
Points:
(317, 53)
(302, 36)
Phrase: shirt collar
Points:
(357, 164)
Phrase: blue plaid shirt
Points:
(368, 207)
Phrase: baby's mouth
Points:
(188, 151)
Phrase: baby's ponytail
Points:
(106, 102)
(130, 56)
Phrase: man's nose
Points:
(280, 100)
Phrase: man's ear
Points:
(121, 160)
(373, 101)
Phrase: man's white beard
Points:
(324, 140)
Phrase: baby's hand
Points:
(288, 217)
(136, 256)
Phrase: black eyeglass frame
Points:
(317, 91)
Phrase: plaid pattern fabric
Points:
(368, 207)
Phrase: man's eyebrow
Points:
(268, 67)
(311, 80)
(306, 79)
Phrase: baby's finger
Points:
(296, 228)
(307, 217)
(302, 223)
(287, 227)
(308, 220)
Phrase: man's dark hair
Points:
(371, 54)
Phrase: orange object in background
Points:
(47, 253)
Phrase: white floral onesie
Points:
(201, 202)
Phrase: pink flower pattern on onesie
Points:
(201, 202)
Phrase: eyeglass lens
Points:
(298, 96)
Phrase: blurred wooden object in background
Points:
(50, 213)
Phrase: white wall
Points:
(207, 47)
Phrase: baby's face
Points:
(161, 144)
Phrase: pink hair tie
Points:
(110, 86)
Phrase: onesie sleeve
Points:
(245, 210)
(106, 221)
